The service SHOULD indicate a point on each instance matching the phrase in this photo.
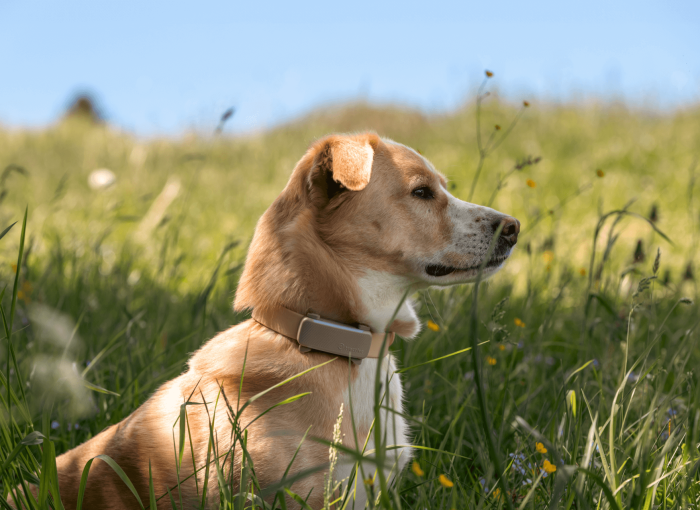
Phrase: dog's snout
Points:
(511, 228)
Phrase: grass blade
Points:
(402, 370)
(601, 483)
(2, 234)
(120, 472)
(151, 492)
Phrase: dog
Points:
(362, 222)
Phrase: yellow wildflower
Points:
(497, 493)
(540, 448)
(369, 481)
(491, 361)
(531, 183)
(600, 173)
(14, 267)
(549, 467)
(497, 127)
(489, 74)
(582, 271)
(415, 467)
(526, 104)
(519, 323)
(548, 256)
(432, 326)
(501, 347)
(446, 482)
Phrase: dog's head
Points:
(365, 217)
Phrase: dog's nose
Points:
(511, 228)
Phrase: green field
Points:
(592, 339)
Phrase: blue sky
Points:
(165, 67)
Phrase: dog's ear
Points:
(341, 163)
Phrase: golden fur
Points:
(335, 241)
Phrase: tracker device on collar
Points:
(314, 333)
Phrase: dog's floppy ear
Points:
(351, 162)
(341, 163)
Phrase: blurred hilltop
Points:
(186, 199)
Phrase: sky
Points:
(167, 67)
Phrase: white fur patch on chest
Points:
(393, 426)
(361, 391)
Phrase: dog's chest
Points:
(360, 395)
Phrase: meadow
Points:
(568, 380)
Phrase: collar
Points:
(314, 333)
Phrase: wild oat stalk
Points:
(331, 487)
(494, 141)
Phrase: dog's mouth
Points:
(438, 270)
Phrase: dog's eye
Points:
(423, 192)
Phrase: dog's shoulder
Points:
(249, 343)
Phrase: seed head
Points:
(600, 173)
(639, 255)
(657, 260)
(489, 74)
(526, 104)
(497, 127)
(228, 114)
(688, 275)
(667, 277)
(654, 214)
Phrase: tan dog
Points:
(362, 221)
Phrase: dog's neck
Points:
(292, 267)
(378, 299)
(386, 303)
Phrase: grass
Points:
(583, 349)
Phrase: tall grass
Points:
(567, 381)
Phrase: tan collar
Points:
(314, 333)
